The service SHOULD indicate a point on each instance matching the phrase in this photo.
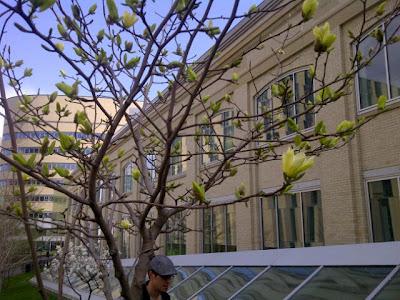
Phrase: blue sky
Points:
(46, 66)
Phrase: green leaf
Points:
(133, 62)
(45, 4)
(66, 142)
(28, 72)
(191, 75)
(53, 96)
(100, 35)
(19, 158)
(253, 9)
(92, 9)
(121, 153)
(308, 9)
(59, 46)
(112, 11)
(235, 77)
(31, 161)
(62, 172)
(215, 106)
(45, 170)
(320, 128)
(136, 174)
(198, 192)
(240, 191)
(292, 125)
(45, 146)
(382, 102)
(380, 9)
(128, 19)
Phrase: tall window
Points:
(175, 243)
(219, 229)
(151, 165)
(385, 209)
(127, 178)
(380, 76)
(217, 138)
(291, 221)
(299, 94)
(176, 157)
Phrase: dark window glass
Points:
(385, 210)
(312, 218)
(196, 282)
(276, 283)
(289, 221)
(269, 221)
(392, 290)
(343, 283)
(393, 50)
(175, 238)
(229, 283)
(127, 183)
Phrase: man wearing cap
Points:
(161, 272)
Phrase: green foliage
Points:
(345, 127)
(66, 142)
(308, 9)
(68, 90)
(128, 19)
(382, 102)
(136, 174)
(191, 75)
(240, 191)
(199, 193)
(65, 173)
(323, 38)
(112, 11)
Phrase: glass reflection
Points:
(393, 50)
(385, 210)
(343, 283)
(372, 78)
(229, 283)
(183, 273)
(392, 290)
(196, 282)
(276, 283)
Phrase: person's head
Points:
(161, 272)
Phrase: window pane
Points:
(393, 57)
(218, 222)
(127, 183)
(229, 283)
(209, 145)
(276, 283)
(207, 230)
(230, 228)
(269, 223)
(385, 210)
(228, 130)
(392, 290)
(183, 273)
(288, 105)
(196, 282)
(312, 218)
(175, 240)
(372, 78)
(264, 106)
(304, 95)
(289, 221)
(176, 158)
(343, 283)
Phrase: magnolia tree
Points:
(148, 60)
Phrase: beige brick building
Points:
(47, 204)
(350, 196)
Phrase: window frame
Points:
(218, 142)
(267, 88)
(277, 232)
(390, 100)
(368, 199)
(124, 178)
(211, 233)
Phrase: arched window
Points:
(298, 96)
(127, 178)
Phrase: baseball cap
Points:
(162, 265)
